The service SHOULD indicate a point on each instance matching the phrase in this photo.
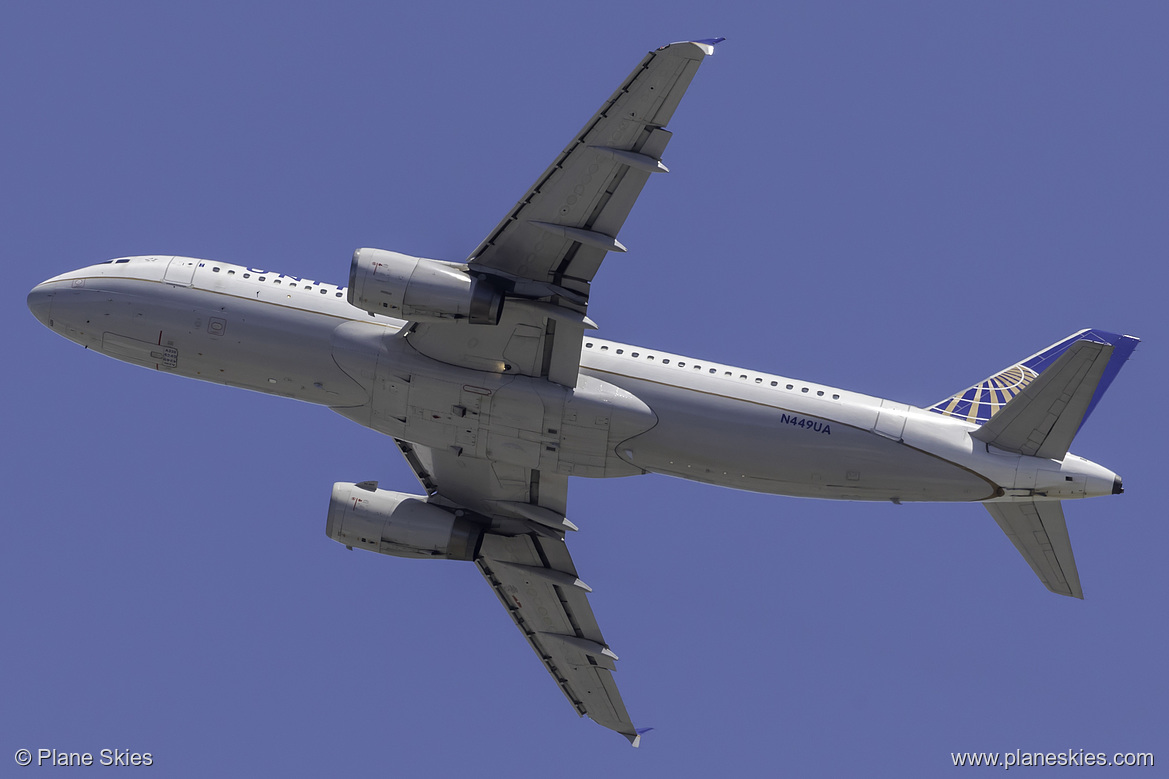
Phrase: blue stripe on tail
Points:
(1122, 346)
(979, 403)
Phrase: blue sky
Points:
(899, 199)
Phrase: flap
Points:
(526, 561)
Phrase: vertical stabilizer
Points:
(1045, 416)
(980, 403)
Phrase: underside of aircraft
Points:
(488, 378)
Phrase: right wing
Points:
(526, 561)
(561, 229)
(546, 250)
(1038, 530)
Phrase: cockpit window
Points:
(119, 262)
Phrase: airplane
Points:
(488, 378)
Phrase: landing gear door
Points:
(181, 270)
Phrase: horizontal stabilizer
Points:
(1040, 533)
(1045, 416)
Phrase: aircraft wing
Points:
(542, 257)
(1038, 530)
(526, 561)
(546, 250)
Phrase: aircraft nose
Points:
(40, 303)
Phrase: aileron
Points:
(537, 583)
(544, 254)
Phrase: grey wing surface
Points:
(562, 228)
(544, 253)
(526, 561)
(541, 258)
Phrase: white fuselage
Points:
(634, 410)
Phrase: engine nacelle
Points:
(420, 290)
(398, 524)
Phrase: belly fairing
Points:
(510, 419)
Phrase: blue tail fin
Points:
(979, 403)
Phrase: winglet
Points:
(635, 739)
(705, 45)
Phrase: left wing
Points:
(525, 560)
(537, 583)
(544, 253)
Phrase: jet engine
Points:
(394, 523)
(421, 290)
